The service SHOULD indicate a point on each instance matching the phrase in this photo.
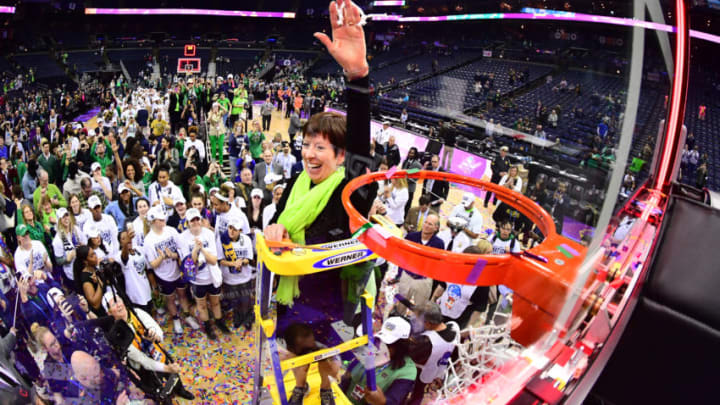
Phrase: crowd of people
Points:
(112, 230)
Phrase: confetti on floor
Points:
(215, 371)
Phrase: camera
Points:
(109, 273)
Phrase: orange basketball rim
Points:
(539, 286)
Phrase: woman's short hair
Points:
(331, 126)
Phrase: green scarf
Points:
(303, 205)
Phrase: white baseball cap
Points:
(394, 329)
(156, 212)
(61, 212)
(235, 221)
(94, 201)
(179, 199)
(92, 231)
(256, 192)
(95, 166)
(192, 213)
(122, 187)
(467, 199)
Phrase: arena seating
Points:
(133, 59)
(705, 130)
(454, 90)
(86, 61)
(573, 130)
(240, 59)
(42, 64)
(72, 40)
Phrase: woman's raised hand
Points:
(348, 39)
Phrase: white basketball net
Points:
(479, 357)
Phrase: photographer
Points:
(146, 358)
(193, 150)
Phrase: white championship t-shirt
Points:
(108, 232)
(187, 244)
(38, 252)
(243, 250)
(63, 246)
(222, 220)
(137, 284)
(168, 269)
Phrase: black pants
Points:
(488, 193)
(266, 122)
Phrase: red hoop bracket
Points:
(540, 289)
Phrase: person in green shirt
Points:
(46, 213)
(49, 162)
(238, 105)
(213, 178)
(45, 188)
(20, 165)
(99, 153)
(180, 142)
(256, 138)
(216, 131)
(225, 104)
(35, 227)
(395, 379)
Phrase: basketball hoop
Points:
(540, 278)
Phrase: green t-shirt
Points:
(21, 169)
(256, 139)
(225, 103)
(385, 377)
(238, 104)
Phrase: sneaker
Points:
(209, 331)
(184, 394)
(192, 322)
(298, 395)
(177, 326)
(238, 319)
(327, 397)
(222, 327)
(249, 321)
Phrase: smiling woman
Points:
(310, 210)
